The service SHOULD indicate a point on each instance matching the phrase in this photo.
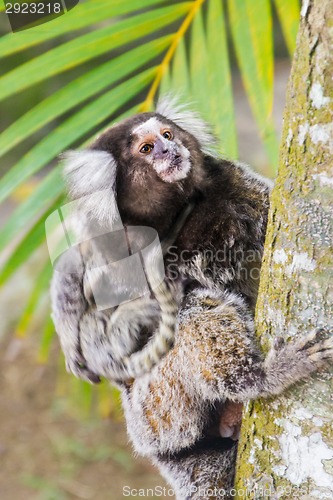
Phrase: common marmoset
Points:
(157, 164)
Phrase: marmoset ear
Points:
(87, 171)
(90, 176)
(170, 107)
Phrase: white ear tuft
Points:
(88, 171)
(187, 119)
(90, 176)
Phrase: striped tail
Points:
(163, 339)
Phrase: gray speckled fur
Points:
(215, 359)
(201, 474)
(108, 342)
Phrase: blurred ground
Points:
(45, 452)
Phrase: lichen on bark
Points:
(286, 446)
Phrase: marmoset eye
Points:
(167, 135)
(146, 148)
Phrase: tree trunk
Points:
(286, 447)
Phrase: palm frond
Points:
(251, 27)
(136, 50)
(288, 12)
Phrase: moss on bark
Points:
(286, 444)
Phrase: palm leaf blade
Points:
(31, 241)
(72, 129)
(46, 193)
(87, 47)
(222, 116)
(46, 341)
(40, 288)
(89, 84)
(180, 71)
(198, 69)
(288, 12)
(84, 15)
(251, 27)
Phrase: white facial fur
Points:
(152, 130)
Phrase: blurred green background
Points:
(61, 83)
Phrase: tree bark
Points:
(286, 446)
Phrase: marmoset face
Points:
(156, 165)
(151, 150)
(159, 144)
(152, 164)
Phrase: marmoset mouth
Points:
(174, 163)
(168, 174)
(175, 169)
(177, 160)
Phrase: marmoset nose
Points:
(160, 150)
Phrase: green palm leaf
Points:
(39, 289)
(136, 50)
(288, 12)
(45, 194)
(221, 107)
(89, 84)
(180, 72)
(87, 47)
(88, 14)
(251, 26)
(72, 129)
(32, 240)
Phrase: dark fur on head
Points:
(143, 197)
(150, 190)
